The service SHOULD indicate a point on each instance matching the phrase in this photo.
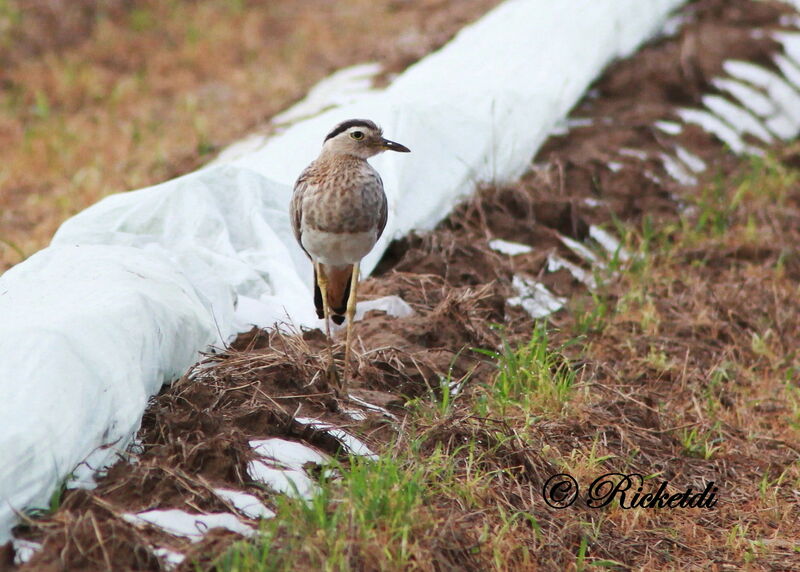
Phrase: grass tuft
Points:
(532, 377)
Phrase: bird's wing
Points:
(296, 207)
(383, 210)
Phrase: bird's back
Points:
(339, 197)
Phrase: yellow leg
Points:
(351, 312)
(322, 282)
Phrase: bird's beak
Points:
(392, 146)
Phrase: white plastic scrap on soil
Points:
(677, 170)
(580, 249)
(767, 107)
(282, 466)
(609, 242)
(593, 203)
(170, 558)
(282, 463)
(392, 305)
(24, 550)
(693, 162)
(510, 248)
(538, 301)
(289, 454)
(585, 275)
(716, 126)
(556, 263)
(669, 127)
(352, 444)
(372, 407)
(247, 504)
(132, 288)
(766, 103)
(192, 526)
(758, 103)
(739, 118)
(294, 483)
(355, 414)
(196, 526)
(535, 298)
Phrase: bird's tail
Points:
(338, 278)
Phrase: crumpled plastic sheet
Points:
(133, 287)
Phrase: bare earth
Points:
(103, 97)
(684, 358)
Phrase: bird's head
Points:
(359, 137)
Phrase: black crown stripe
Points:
(345, 125)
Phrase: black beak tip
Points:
(392, 146)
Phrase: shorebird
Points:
(338, 212)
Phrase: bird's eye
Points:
(357, 135)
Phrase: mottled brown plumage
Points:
(343, 195)
(334, 185)
(338, 212)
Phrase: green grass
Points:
(103, 97)
(387, 514)
(719, 207)
(54, 503)
(698, 443)
(361, 503)
(370, 514)
(533, 377)
(591, 314)
(375, 515)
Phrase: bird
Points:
(338, 212)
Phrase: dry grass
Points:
(682, 367)
(101, 97)
(691, 378)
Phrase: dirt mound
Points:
(608, 169)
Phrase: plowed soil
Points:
(641, 383)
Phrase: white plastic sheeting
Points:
(289, 454)
(352, 445)
(294, 483)
(134, 286)
(79, 362)
(192, 526)
(249, 505)
(535, 298)
(478, 109)
(509, 248)
(758, 104)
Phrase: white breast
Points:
(337, 249)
